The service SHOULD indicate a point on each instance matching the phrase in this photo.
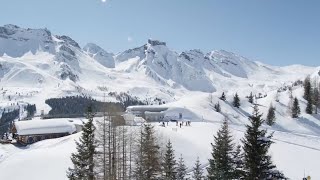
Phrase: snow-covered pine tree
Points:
(217, 107)
(197, 172)
(271, 116)
(236, 101)
(221, 165)
(250, 98)
(316, 98)
(148, 164)
(83, 164)
(308, 95)
(237, 157)
(309, 108)
(256, 144)
(223, 97)
(169, 163)
(295, 108)
(181, 169)
(307, 88)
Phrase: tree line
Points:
(77, 105)
(311, 95)
(6, 118)
(111, 152)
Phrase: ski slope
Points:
(36, 65)
(49, 159)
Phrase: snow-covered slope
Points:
(36, 65)
(100, 55)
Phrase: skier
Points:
(180, 125)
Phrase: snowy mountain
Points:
(100, 55)
(36, 65)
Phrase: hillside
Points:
(36, 65)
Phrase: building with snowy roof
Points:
(28, 132)
(150, 113)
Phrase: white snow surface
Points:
(46, 126)
(36, 65)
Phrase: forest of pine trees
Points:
(76, 105)
(112, 151)
(6, 119)
(311, 95)
(31, 110)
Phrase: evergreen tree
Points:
(309, 108)
(181, 170)
(148, 165)
(236, 101)
(217, 107)
(307, 89)
(250, 98)
(169, 164)
(316, 99)
(197, 171)
(295, 108)
(83, 164)
(223, 97)
(237, 158)
(257, 162)
(221, 165)
(308, 95)
(271, 116)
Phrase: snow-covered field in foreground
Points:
(49, 159)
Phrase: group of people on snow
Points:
(180, 124)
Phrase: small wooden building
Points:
(28, 132)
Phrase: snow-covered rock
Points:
(16, 41)
(100, 55)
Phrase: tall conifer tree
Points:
(271, 116)
(197, 171)
(236, 101)
(83, 164)
(257, 162)
(169, 163)
(295, 108)
(223, 97)
(221, 166)
(181, 169)
(148, 164)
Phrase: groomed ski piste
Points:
(190, 82)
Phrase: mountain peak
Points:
(11, 26)
(156, 42)
(100, 55)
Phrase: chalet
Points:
(28, 132)
(151, 113)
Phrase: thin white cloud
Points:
(130, 39)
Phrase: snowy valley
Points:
(36, 65)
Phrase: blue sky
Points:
(278, 32)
